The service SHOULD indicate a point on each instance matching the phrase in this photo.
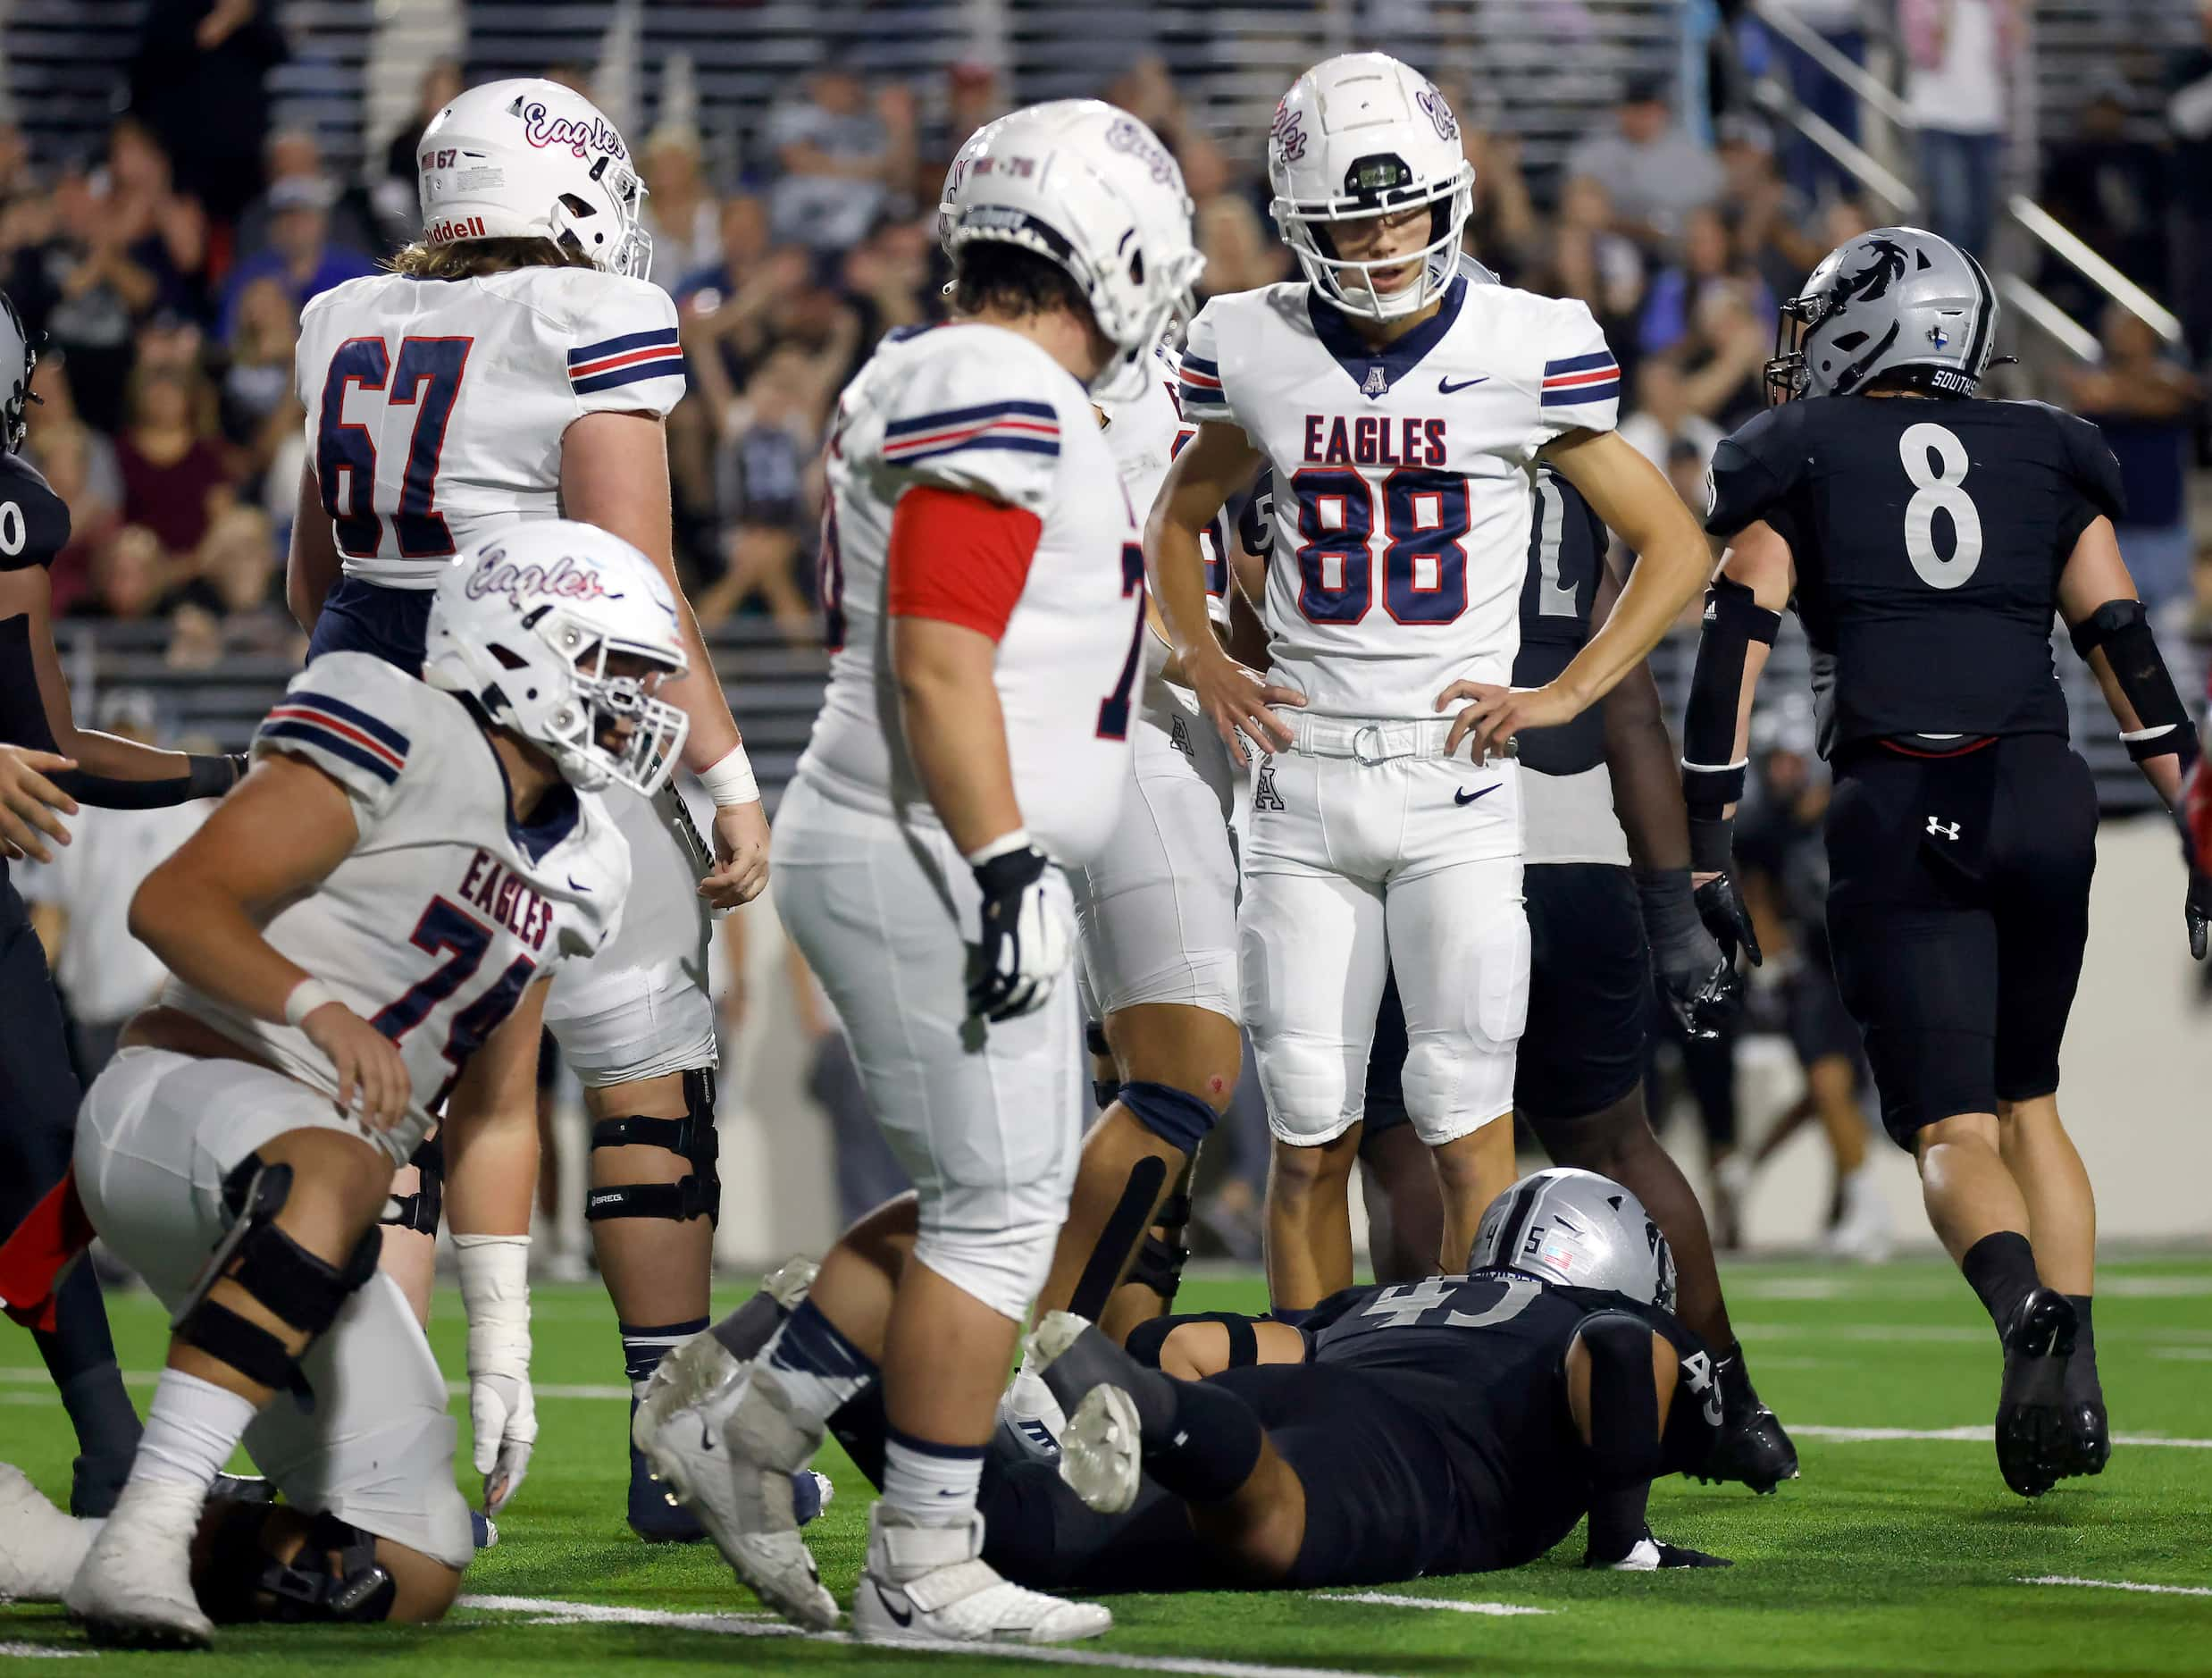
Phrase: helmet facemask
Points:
(1786, 376)
(1378, 186)
(598, 704)
(577, 223)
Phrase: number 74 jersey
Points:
(446, 911)
(436, 407)
(1402, 476)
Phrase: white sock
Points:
(931, 1484)
(819, 1370)
(191, 1428)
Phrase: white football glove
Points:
(1023, 946)
(502, 1410)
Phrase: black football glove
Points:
(2197, 908)
(1722, 909)
(1012, 966)
(1698, 982)
(1648, 1555)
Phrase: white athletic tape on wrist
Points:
(305, 998)
(729, 779)
(1005, 844)
(495, 1289)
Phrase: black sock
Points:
(745, 1331)
(642, 1348)
(1200, 1442)
(2001, 1269)
(2081, 1382)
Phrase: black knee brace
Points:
(1102, 1089)
(693, 1137)
(1160, 1260)
(294, 1284)
(419, 1211)
(1146, 1339)
(334, 1576)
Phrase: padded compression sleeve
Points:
(2122, 629)
(1712, 778)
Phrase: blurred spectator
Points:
(839, 152)
(2111, 189)
(1590, 261)
(295, 168)
(258, 408)
(1242, 252)
(1663, 420)
(1959, 55)
(680, 213)
(974, 94)
(1725, 357)
(885, 276)
(1842, 25)
(2149, 405)
(80, 901)
(1504, 233)
(16, 175)
(1775, 234)
(173, 478)
(301, 253)
(1705, 261)
(395, 196)
(1654, 174)
(743, 241)
(127, 577)
(200, 82)
(230, 607)
(167, 231)
(2189, 112)
(80, 284)
(67, 453)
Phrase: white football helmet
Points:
(1360, 136)
(524, 621)
(531, 159)
(1089, 186)
(18, 356)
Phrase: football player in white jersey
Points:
(1402, 411)
(985, 580)
(519, 366)
(238, 1151)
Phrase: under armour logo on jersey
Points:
(1378, 381)
(1939, 829)
(1180, 737)
(1263, 794)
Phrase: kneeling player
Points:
(238, 1152)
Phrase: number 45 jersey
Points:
(446, 909)
(1402, 476)
(1929, 533)
(436, 407)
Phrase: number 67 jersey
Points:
(446, 909)
(1928, 534)
(1402, 476)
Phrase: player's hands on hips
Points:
(1721, 906)
(740, 872)
(372, 1082)
(1492, 716)
(1648, 1555)
(27, 802)
(502, 1408)
(1239, 699)
(1011, 968)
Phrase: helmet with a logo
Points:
(18, 356)
(1578, 1228)
(1087, 186)
(532, 159)
(527, 622)
(1897, 302)
(1358, 136)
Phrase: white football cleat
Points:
(1862, 1235)
(1030, 1415)
(930, 1584)
(134, 1587)
(1101, 1452)
(720, 1435)
(41, 1546)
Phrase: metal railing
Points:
(2054, 236)
(1853, 159)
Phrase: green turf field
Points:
(1891, 1555)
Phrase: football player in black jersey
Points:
(48, 766)
(1578, 1078)
(1458, 1424)
(1927, 540)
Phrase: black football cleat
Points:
(2088, 1435)
(654, 1515)
(2036, 1444)
(1752, 1448)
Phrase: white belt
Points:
(1369, 742)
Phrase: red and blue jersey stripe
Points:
(624, 360)
(1031, 428)
(1592, 377)
(1201, 381)
(346, 732)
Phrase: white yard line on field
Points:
(1385, 1600)
(1966, 1436)
(39, 1651)
(2122, 1584)
(552, 1611)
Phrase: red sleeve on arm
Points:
(959, 559)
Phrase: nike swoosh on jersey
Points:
(578, 886)
(1444, 387)
(1465, 797)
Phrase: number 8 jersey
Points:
(1928, 534)
(1402, 476)
(436, 407)
(446, 909)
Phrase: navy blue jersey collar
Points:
(1362, 361)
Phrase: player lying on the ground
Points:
(1455, 1425)
(238, 1152)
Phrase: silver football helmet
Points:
(1895, 300)
(18, 356)
(1578, 1228)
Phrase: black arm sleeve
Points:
(207, 776)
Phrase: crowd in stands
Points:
(167, 273)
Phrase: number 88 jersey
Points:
(1402, 476)
(1928, 534)
(436, 407)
